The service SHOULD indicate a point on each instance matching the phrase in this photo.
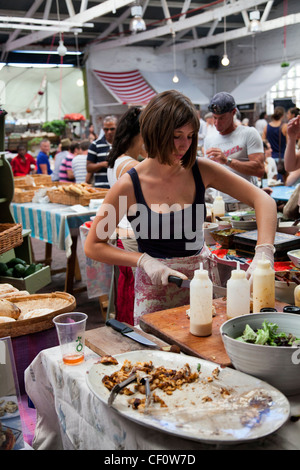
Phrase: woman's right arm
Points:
(115, 205)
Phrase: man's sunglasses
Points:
(106, 129)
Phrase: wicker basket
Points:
(70, 199)
(23, 196)
(10, 237)
(61, 302)
(32, 181)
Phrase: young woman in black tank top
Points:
(171, 180)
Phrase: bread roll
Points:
(7, 288)
(19, 293)
(8, 309)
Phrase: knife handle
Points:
(118, 326)
(175, 280)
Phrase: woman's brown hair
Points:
(166, 112)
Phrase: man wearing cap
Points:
(59, 157)
(240, 148)
(99, 149)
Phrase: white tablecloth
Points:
(51, 223)
(70, 416)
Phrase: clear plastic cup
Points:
(70, 329)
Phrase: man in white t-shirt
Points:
(240, 148)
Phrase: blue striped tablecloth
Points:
(51, 223)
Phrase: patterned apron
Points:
(150, 298)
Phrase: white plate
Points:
(222, 420)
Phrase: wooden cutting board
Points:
(173, 326)
(106, 341)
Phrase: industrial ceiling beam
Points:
(188, 23)
(82, 17)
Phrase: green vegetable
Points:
(29, 270)
(267, 335)
(9, 272)
(19, 270)
(198, 367)
(3, 269)
(38, 267)
(249, 336)
(15, 261)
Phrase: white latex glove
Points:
(268, 250)
(157, 271)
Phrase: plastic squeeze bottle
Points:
(297, 296)
(218, 208)
(201, 295)
(238, 294)
(263, 285)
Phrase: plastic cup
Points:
(70, 329)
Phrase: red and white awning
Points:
(127, 87)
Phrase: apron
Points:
(150, 298)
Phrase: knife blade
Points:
(130, 333)
(185, 283)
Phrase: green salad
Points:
(268, 335)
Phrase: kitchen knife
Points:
(127, 331)
(217, 290)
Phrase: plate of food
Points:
(190, 397)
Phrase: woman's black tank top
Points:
(178, 233)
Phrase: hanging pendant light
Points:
(61, 50)
(175, 78)
(137, 23)
(225, 61)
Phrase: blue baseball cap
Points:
(222, 103)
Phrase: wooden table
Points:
(58, 225)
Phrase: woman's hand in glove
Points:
(157, 271)
(268, 250)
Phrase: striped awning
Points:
(126, 87)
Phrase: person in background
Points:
(98, 152)
(59, 157)
(65, 170)
(127, 147)
(275, 132)
(261, 123)
(292, 113)
(245, 122)
(270, 165)
(202, 131)
(90, 134)
(23, 163)
(163, 198)
(42, 159)
(126, 151)
(79, 163)
(239, 148)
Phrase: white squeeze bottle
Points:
(263, 285)
(201, 295)
(238, 293)
(218, 208)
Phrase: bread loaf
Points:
(4, 288)
(8, 309)
(7, 319)
(38, 312)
